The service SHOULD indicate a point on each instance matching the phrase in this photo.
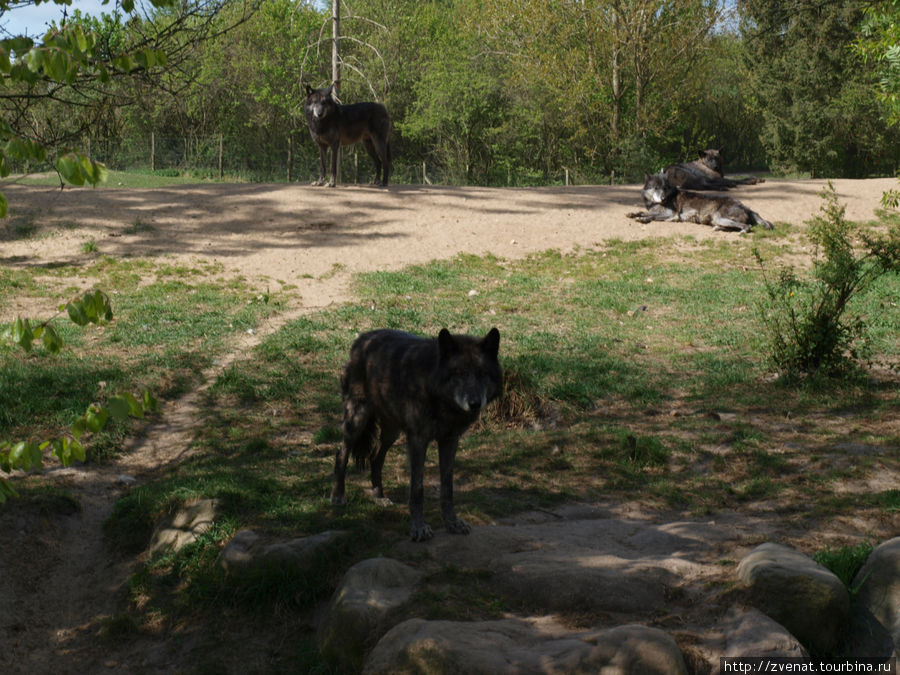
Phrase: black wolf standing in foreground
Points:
(666, 202)
(705, 173)
(333, 125)
(428, 389)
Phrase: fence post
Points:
(221, 143)
(152, 151)
(290, 157)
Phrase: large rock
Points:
(592, 564)
(748, 633)
(801, 595)
(520, 646)
(248, 552)
(192, 520)
(876, 607)
(367, 594)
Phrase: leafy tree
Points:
(878, 43)
(56, 88)
(816, 97)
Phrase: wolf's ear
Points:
(491, 343)
(646, 176)
(309, 90)
(446, 344)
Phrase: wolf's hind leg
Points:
(389, 434)
(373, 153)
(358, 429)
(722, 223)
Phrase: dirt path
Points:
(56, 578)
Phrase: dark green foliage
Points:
(817, 99)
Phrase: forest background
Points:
(508, 92)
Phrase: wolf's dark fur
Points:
(705, 173)
(333, 125)
(430, 389)
(667, 203)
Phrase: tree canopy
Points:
(507, 92)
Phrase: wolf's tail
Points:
(359, 425)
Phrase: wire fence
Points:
(282, 159)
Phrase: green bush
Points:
(808, 319)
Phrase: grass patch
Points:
(163, 334)
(845, 561)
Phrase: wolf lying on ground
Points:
(430, 389)
(667, 203)
(333, 125)
(705, 173)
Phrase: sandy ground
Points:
(56, 578)
(316, 238)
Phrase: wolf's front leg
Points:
(447, 456)
(418, 530)
(335, 150)
(338, 496)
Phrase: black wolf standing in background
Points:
(428, 389)
(333, 125)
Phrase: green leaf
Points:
(135, 409)
(4, 205)
(60, 449)
(150, 403)
(6, 490)
(77, 34)
(56, 65)
(52, 341)
(70, 169)
(93, 172)
(79, 427)
(95, 418)
(119, 407)
(22, 333)
(76, 450)
(35, 59)
(77, 313)
(123, 62)
(25, 455)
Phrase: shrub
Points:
(807, 319)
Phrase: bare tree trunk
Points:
(616, 72)
(336, 64)
(336, 45)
